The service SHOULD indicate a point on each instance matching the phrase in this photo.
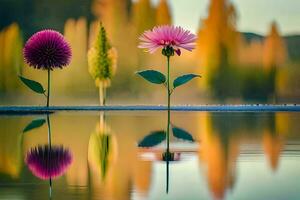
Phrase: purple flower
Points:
(47, 49)
(45, 162)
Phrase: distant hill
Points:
(252, 36)
(292, 43)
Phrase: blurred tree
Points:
(250, 52)
(11, 59)
(224, 81)
(287, 83)
(275, 53)
(218, 28)
(33, 15)
(217, 44)
(114, 14)
(143, 15)
(163, 13)
(256, 84)
(76, 33)
(293, 44)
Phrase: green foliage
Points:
(184, 79)
(223, 78)
(248, 83)
(33, 85)
(287, 81)
(293, 44)
(153, 139)
(34, 124)
(153, 76)
(258, 84)
(182, 134)
(23, 12)
(225, 83)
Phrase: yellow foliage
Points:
(143, 15)
(11, 59)
(163, 14)
(217, 37)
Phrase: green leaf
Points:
(33, 85)
(34, 124)
(182, 134)
(154, 138)
(153, 76)
(184, 79)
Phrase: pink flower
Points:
(167, 36)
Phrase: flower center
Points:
(167, 43)
(49, 52)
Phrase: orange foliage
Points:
(163, 13)
(275, 53)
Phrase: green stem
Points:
(49, 131)
(168, 155)
(48, 95)
(169, 102)
(102, 94)
(167, 174)
(50, 148)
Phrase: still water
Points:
(91, 155)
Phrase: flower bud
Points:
(168, 51)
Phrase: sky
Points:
(254, 15)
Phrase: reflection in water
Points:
(102, 149)
(113, 165)
(222, 137)
(47, 162)
(156, 137)
(219, 152)
(10, 147)
(232, 149)
(273, 142)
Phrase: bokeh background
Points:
(247, 51)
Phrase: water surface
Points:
(234, 156)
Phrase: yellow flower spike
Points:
(102, 62)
